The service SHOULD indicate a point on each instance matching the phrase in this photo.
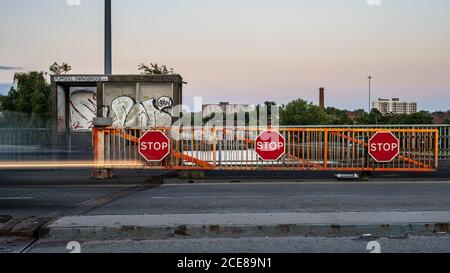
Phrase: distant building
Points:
(440, 117)
(395, 106)
(226, 107)
(355, 115)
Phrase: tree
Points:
(28, 104)
(338, 117)
(263, 112)
(300, 112)
(422, 117)
(374, 117)
(58, 69)
(447, 120)
(155, 69)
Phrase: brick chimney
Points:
(322, 98)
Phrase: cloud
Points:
(5, 67)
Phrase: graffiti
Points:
(125, 112)
(121, 107)
(83, 108)
(164, 102)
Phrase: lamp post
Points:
(108, 38)
(370, 101)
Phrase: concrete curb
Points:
(176, 181)
(104, 227)
(22, 226)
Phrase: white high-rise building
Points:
(394, 106)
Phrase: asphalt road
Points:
(224, 198)
(66, 192)
(232, 198)
(413, 244)
(54, 201)
(283, 197)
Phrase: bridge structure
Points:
(314, 148)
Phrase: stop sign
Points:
(270, 145)
(384, 147)
(154, 146)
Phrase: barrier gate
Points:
(318, 149)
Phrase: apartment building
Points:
(394, 106)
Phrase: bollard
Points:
(98, 138)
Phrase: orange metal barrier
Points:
(340, 149)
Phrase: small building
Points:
(355, 115)
(129, 100)
(394, 106)
(226, 107)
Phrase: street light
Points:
(108, 40)
(370, 101)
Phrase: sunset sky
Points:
(246, 51)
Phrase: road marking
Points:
(253, 196)
(318, 183)
(206, 197)
(16, 198)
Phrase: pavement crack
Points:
(93, 204)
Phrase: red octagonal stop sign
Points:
(270, 145)
(154, 146)
(384, 147)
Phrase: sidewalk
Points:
(329, 224)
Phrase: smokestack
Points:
(322, 98)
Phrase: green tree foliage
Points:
(422, 117)
(375, 117)
(155, 69)
(337, 116)
(28, 104)
(372, 118)
(58, 69)
(447, 120)
(300, 112)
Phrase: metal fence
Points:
(307, 148)
(443, 132)
(25, 143)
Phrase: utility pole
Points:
(370, 101)
(108, 38)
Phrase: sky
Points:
(246, 51)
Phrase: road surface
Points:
(284, 197)
(225, 198)
(296, 244)
(259, 197)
